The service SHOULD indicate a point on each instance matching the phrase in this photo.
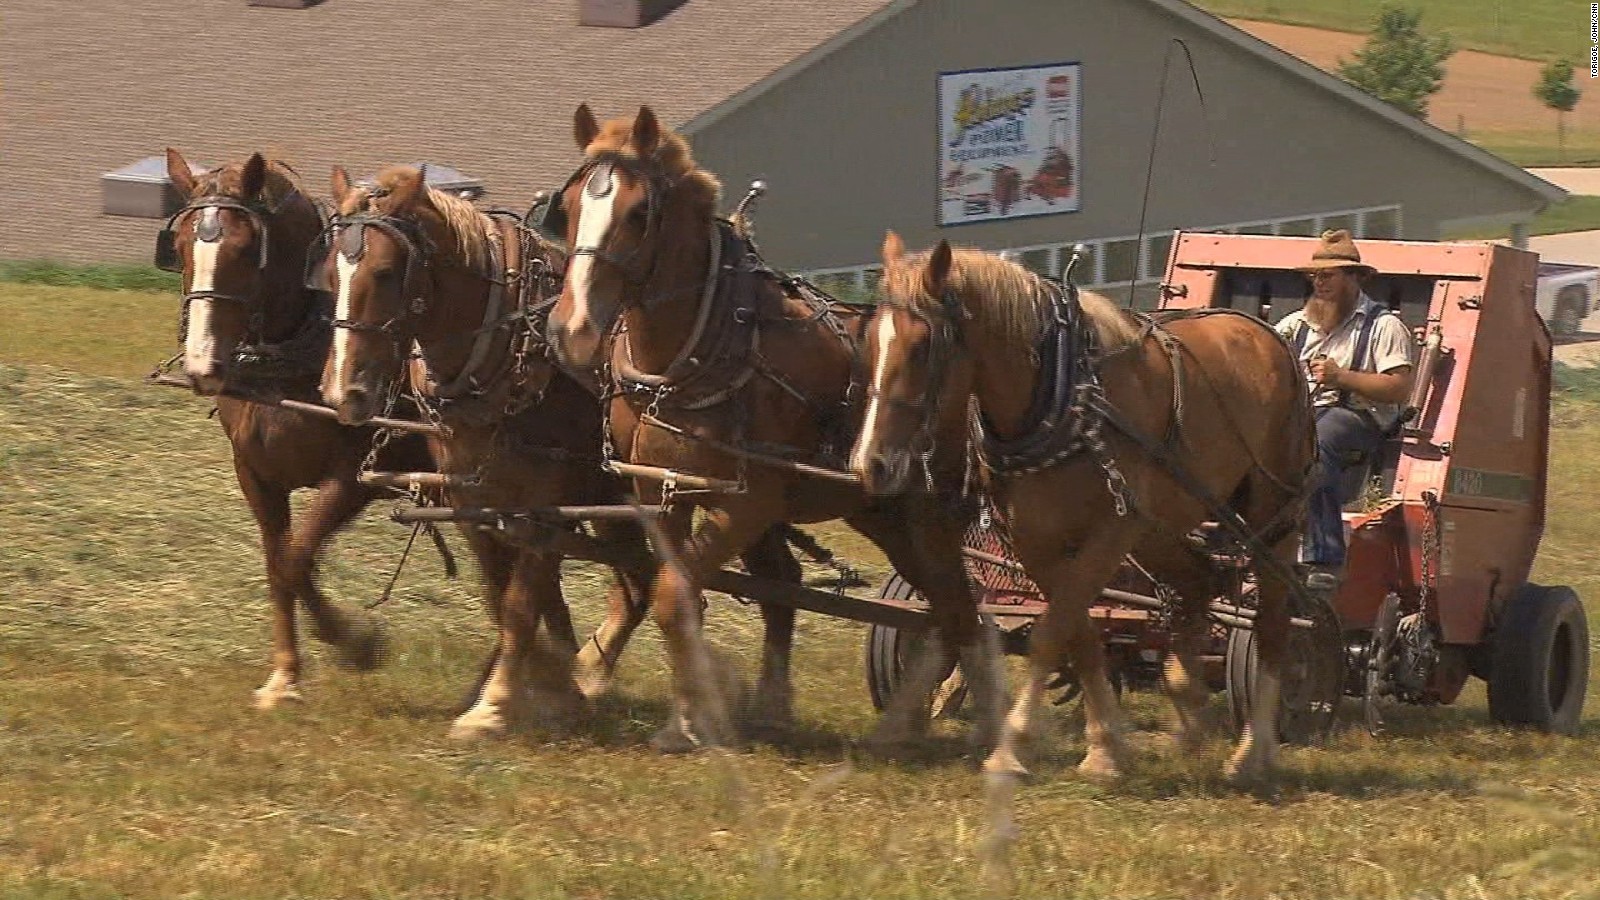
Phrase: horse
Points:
(412, 263)
(240, 242)
(1100, 432)
(710, 356)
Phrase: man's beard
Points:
(1326, 312)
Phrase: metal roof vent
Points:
(624, 13)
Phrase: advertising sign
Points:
(1008, 143)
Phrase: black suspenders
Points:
(1358, 359)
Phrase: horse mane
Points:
(1013, 303)
(465, 222)
(672, 156)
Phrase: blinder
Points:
(167, 257)
(347, 235)
(599, 174)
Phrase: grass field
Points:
(1536, 29)
(133, 628)
(1576, 213)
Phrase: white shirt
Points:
(1389, 348)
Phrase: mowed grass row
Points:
(133, 627)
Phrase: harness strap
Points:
(1358, 359)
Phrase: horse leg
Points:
(1065, 630)
(626, 605)
(1257, 753)
(486, 717)
(535, 595)
(924, 546)
(699, 685)
(270, 506)
(1182, 675)
(359, 639)
(772, 706)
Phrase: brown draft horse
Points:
(710, 344)
(1222, 388)
(241, 243)
(410, 263)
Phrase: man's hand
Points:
(1325, 371)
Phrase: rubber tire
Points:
(889, 648)
(1240, 670)
(1571, 307)
(1541, 660)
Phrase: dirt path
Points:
(1488, 92)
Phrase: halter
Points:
(255, 211)
(348, 236)
(943, 346)
(599, 176)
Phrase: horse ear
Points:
(254, 177)
(340, 184)
(584, 127)
(894, 249)
(178, 172)
(937, 272)
(646, 132)
(409, 188)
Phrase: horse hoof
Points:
(1003, 764)
(593, 682)
(364, 648)
(270, 697)
(281, 687)
(1100, 765)
(477, 725)
(769, 711)
(674, 739)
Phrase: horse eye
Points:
(639, 216)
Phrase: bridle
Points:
(346, 235)
(944, 345)
(599, 176)
(256, 213)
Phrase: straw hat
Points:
(1337, 251)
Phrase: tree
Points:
(1555, 90)
(1399, 64)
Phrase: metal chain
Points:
(1115, 483)
(382, 436)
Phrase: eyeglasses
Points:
(1321, 274)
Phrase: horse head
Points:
(239, 242)
(914, 345)
(621, 214)
(375, 267)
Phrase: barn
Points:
(1023, 125)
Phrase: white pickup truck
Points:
(1567, 293)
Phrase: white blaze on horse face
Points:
(594, 223)
(199, 343)
(869, 436)
(341, 336)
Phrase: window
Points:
(1383, 224)
(1347, 221)
(1121, 261)
(1157, 249)
(1298, 227)
(1037, 260)
(1257, 228)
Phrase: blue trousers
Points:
(1341, 434)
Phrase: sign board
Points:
(1008, 142)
